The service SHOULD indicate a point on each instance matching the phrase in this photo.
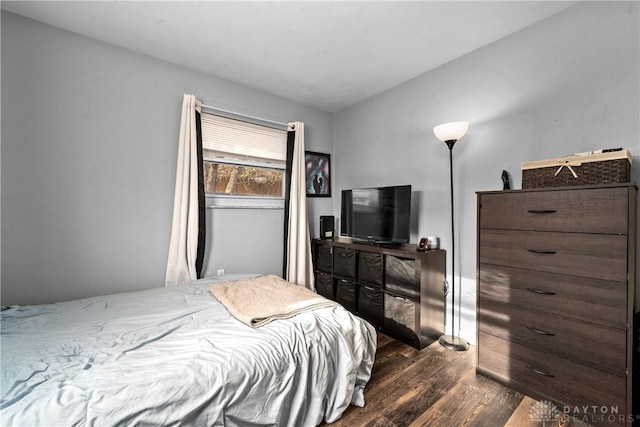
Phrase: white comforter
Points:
(175, 356)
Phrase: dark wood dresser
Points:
(556, 296)
(397, 289)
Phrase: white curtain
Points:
(299, 268)
(183, 247)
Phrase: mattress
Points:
(175, 356)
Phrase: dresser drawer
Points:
(370, 304)
(592, 300)
(400, 316)
(344, 262)
(544, 376)
(323, 258)
(596, 346)
(370, 267)
(603, 210)
(324, 285)
(346, 294)
(400, 276)
(600, 256)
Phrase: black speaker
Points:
(327, 226)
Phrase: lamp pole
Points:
(449, 133)
(450, 144)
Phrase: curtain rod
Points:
(285, 125)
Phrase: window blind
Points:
(234, 139)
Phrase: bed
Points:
(175, 356)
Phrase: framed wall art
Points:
(318, 172)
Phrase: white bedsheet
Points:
(175, 356)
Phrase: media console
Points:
(396, 289)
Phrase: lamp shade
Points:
(451, 131)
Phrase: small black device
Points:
(506, 184)
(327, 226)
(423, 245)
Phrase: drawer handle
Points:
(540, 331)
(541, 211)
(540, 372)
(540, 291)
(369, 288)
(541, 251)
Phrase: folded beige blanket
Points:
(262, 299)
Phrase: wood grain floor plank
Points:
(436, 387)
(426, 392)
(521, 416)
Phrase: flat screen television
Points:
(378, 215)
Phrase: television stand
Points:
(395, 288)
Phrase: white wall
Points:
(89, 144)
(567, 84)
(89, 133)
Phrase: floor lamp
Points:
(449, 133)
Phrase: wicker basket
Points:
(578, 170)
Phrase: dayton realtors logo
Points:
(546, 412)
(594, 414)
(543, 411)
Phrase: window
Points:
(221, 178)
(242, 160)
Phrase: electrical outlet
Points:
(221, 272)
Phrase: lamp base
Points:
(453, 343)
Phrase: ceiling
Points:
(325, 54)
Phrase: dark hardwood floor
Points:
(436, 387)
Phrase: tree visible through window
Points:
(246, 180)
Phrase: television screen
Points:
(379, 214)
